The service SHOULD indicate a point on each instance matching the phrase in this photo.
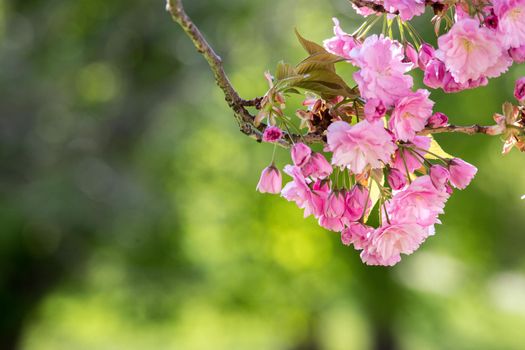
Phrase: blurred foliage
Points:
(129, 218)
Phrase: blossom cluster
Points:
(380, 159)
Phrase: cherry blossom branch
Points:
(378, 8)
(492, 130)
(238, 105)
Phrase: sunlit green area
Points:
(129, 217)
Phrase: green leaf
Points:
(308, 45)
(436, 149)
(322, 60)
(325, 83)
(284, 70)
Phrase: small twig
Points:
(469, 130)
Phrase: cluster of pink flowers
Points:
(382, 160)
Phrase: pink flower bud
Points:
(374, 109)
(270, 181)
(439, 176)
(461, 173)
(356, 199)
(491, 21)
(518, 54)
(300, 154)
(519, 90)
(356, 234)
(434, 74)
(437, 120)
(426, 53)
(317, 167)
(335, 204)
(411, 54)
(272, 134)
(396, 179)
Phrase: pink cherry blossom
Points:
(468, 50)
(357, 234)
(519, 89)
(387, 243)
(435, 73)
(374, 109)
(300, 154)
(270, 181)
(426, 53)
(411, 114)
(461, 173)
(382, 73)
(397, 179)
(511, 15)
(407, 8)
(419, 203)
(359, 146)
(518, 54)
(342, 43)
(335, 205)
(437, 120)
(439, 176)
(356, 200)
(272, 134)
(298, 191)
(317, 167)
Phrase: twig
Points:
(237, 104)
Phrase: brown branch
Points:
(378, 8)
(237, 104)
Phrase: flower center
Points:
(467, 45)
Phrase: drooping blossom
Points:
(519, 89)
(361, 145)
(342, 43)
(299, 191)
(270, 181)
(358, 204)
(317, 167)
(272, 134)
(374, 109)
(387, 243)
(300, 154)
(335, 204)
(397, 179)
(437, 120)
(468, 50)
(426, 53)
(407, 8)
(461, 173)
(411, 55)
(420, 203)
(518, 54)
(382, 74)
(357, 234)
(439, 176)
(511, 16)
(411, 114)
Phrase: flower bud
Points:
(461, 173)
(300, 154)
(434, 74)
(270, 181)
(335, 204)
(396, 179)
(426, 53)
(518, 54)
(411, 54)
(519, 90)
(491, 21)
(272, 134)
(437, 120)
(439, 176)
(356, 199)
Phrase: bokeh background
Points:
(129, 217)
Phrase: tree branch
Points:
(238, 105)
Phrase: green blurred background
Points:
(129, 217)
